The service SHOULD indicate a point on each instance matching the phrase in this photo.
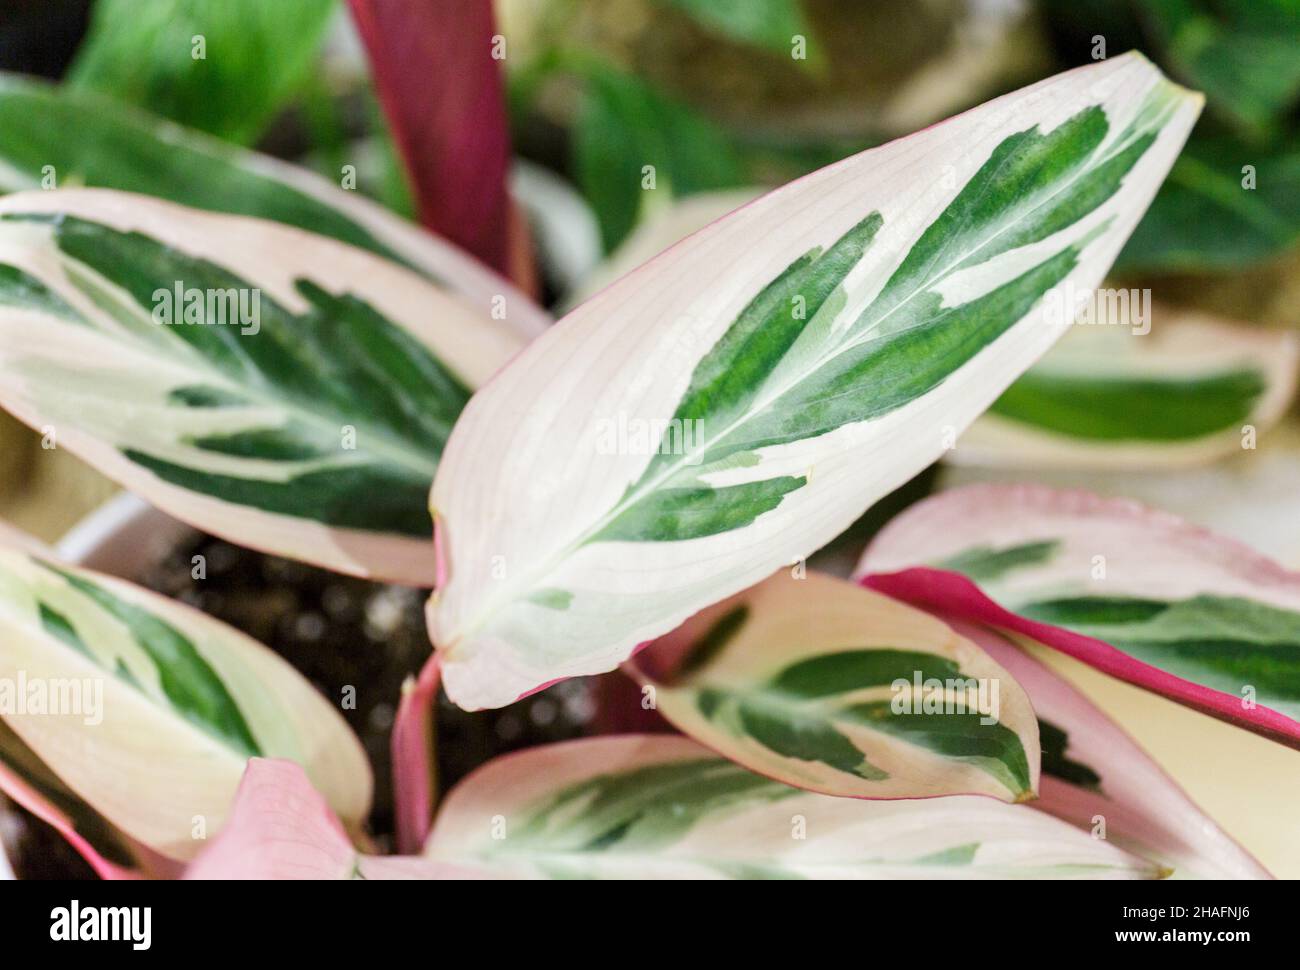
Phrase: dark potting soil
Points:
(357, 641)
(339, 632)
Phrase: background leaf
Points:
(60, 137)
(256, 57)
(624, 126)
(769, 24)
(1206, 219)
(1110, 395)
(1241, 53)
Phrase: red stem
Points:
(442, 92)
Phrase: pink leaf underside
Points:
(281, 828)
(1008, 513)
(441, 90)
(1145, 810)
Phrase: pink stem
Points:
(413, 764)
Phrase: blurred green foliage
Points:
(769, 24)
(256, 55)
(1232, 199)
(633, 147)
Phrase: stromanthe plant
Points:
(640, 485)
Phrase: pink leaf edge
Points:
(938, 590)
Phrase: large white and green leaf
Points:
(1144, 388)
(1138, 594)
(279, 389)
(60, 137)
(1096, 777)
(742, 398)
(656, 806)
(824, 685)
(148, 710)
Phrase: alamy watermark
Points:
(954, 695)
(1066, 304)
(55, 696)
(233, 306)
(624, 435)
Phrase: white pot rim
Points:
(124, 537)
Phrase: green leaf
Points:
(1226, 205)
(1242, 53)
(223, 66)
(1178, 390)
(1134, 408)
(769, 24)
(635, 150)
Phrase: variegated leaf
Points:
(1096, 777)
(67, 138)
(742, 398)
(148, 710)
(656, 806)
(1138, 594)
(279, 389)
(1154, 388)
(823, 685)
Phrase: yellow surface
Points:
(1249, 785)
(45, 491)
